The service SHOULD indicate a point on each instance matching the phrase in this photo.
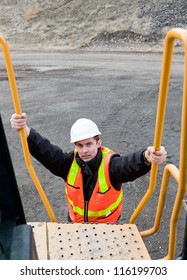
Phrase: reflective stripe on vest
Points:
(100, 213)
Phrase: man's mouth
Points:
(86, 157)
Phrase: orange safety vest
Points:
(105, 205)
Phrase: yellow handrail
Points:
(17, 107)
(169, 169)
(181, 174)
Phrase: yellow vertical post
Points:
(173, 34)
(182, 186)
(17, 107)
(161, 108)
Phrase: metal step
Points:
(66, 241)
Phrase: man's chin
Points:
(86, 158)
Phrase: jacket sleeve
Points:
(128, 168)
(49, 155)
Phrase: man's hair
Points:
(97, 137)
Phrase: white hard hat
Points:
(83, 129)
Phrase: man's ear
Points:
(99, 142)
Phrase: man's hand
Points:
(157, 157)
(18, 122)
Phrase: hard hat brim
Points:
(85, 137)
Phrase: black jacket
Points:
(122, 168)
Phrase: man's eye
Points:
(79, 146)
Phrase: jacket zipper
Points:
(86, 211)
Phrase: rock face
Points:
(99, 25)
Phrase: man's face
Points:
(87, 149)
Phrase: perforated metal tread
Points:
(67, 241)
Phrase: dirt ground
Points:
(119, 92)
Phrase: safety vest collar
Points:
(103, 184)
(73, 172)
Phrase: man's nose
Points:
(84, 149)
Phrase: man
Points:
(93, 174)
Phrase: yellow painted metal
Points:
(17, 107)
(181, 174)
(169, 170)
